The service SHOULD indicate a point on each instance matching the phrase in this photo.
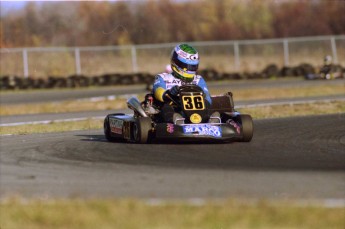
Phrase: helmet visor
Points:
(182, 65)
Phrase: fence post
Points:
(77, 61)
(25, 63)
(334, 50)
(286, 52)
(237, 56)
(134, 59)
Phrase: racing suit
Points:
(166, 81)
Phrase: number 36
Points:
(193, 102)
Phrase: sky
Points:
(8, 5)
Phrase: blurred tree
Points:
(334, 15)
(90, 23)
(151, 25)
(122, 22)
(253, 18)
(225, 27)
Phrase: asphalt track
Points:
(289, 158)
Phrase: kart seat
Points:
(223, 103)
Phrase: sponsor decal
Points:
(192, 57)
(175, 82)
(235, 124)
(172, 81)
(182, 53)
(204, 129)
(116, 126)
(195, 118)
(170, 128)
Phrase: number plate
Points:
(193, 102)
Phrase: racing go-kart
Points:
(196, 120)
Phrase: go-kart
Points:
(193, 119)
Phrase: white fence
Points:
(226, 56)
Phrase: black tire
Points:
(141, 130)
(107, 130)
(247, 127)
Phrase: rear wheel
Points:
(247, 127)
(141, 129)
(107, 130)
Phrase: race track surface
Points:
(301, 157)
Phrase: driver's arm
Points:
(159, 88)
(202, 84)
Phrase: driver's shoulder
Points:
(164, 75)
(198, 77)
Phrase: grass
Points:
(126, 213)
(295, 110)
(61, 107)
(290, 92)
(106, 104)
(256, 113)
(52, 127)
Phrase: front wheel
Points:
(247, 127)
(141, 130)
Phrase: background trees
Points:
(121, 23)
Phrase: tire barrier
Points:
(10, 82)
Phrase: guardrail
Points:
(236, 55)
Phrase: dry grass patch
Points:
(295, 110)
(126, 213)
(52, 127)
(278, 93)
(61, 107)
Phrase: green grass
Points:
(127, 213)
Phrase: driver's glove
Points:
(174, 90)
(169, 93)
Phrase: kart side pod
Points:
(134, 104)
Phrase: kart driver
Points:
(184, 65)
(327, 69)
